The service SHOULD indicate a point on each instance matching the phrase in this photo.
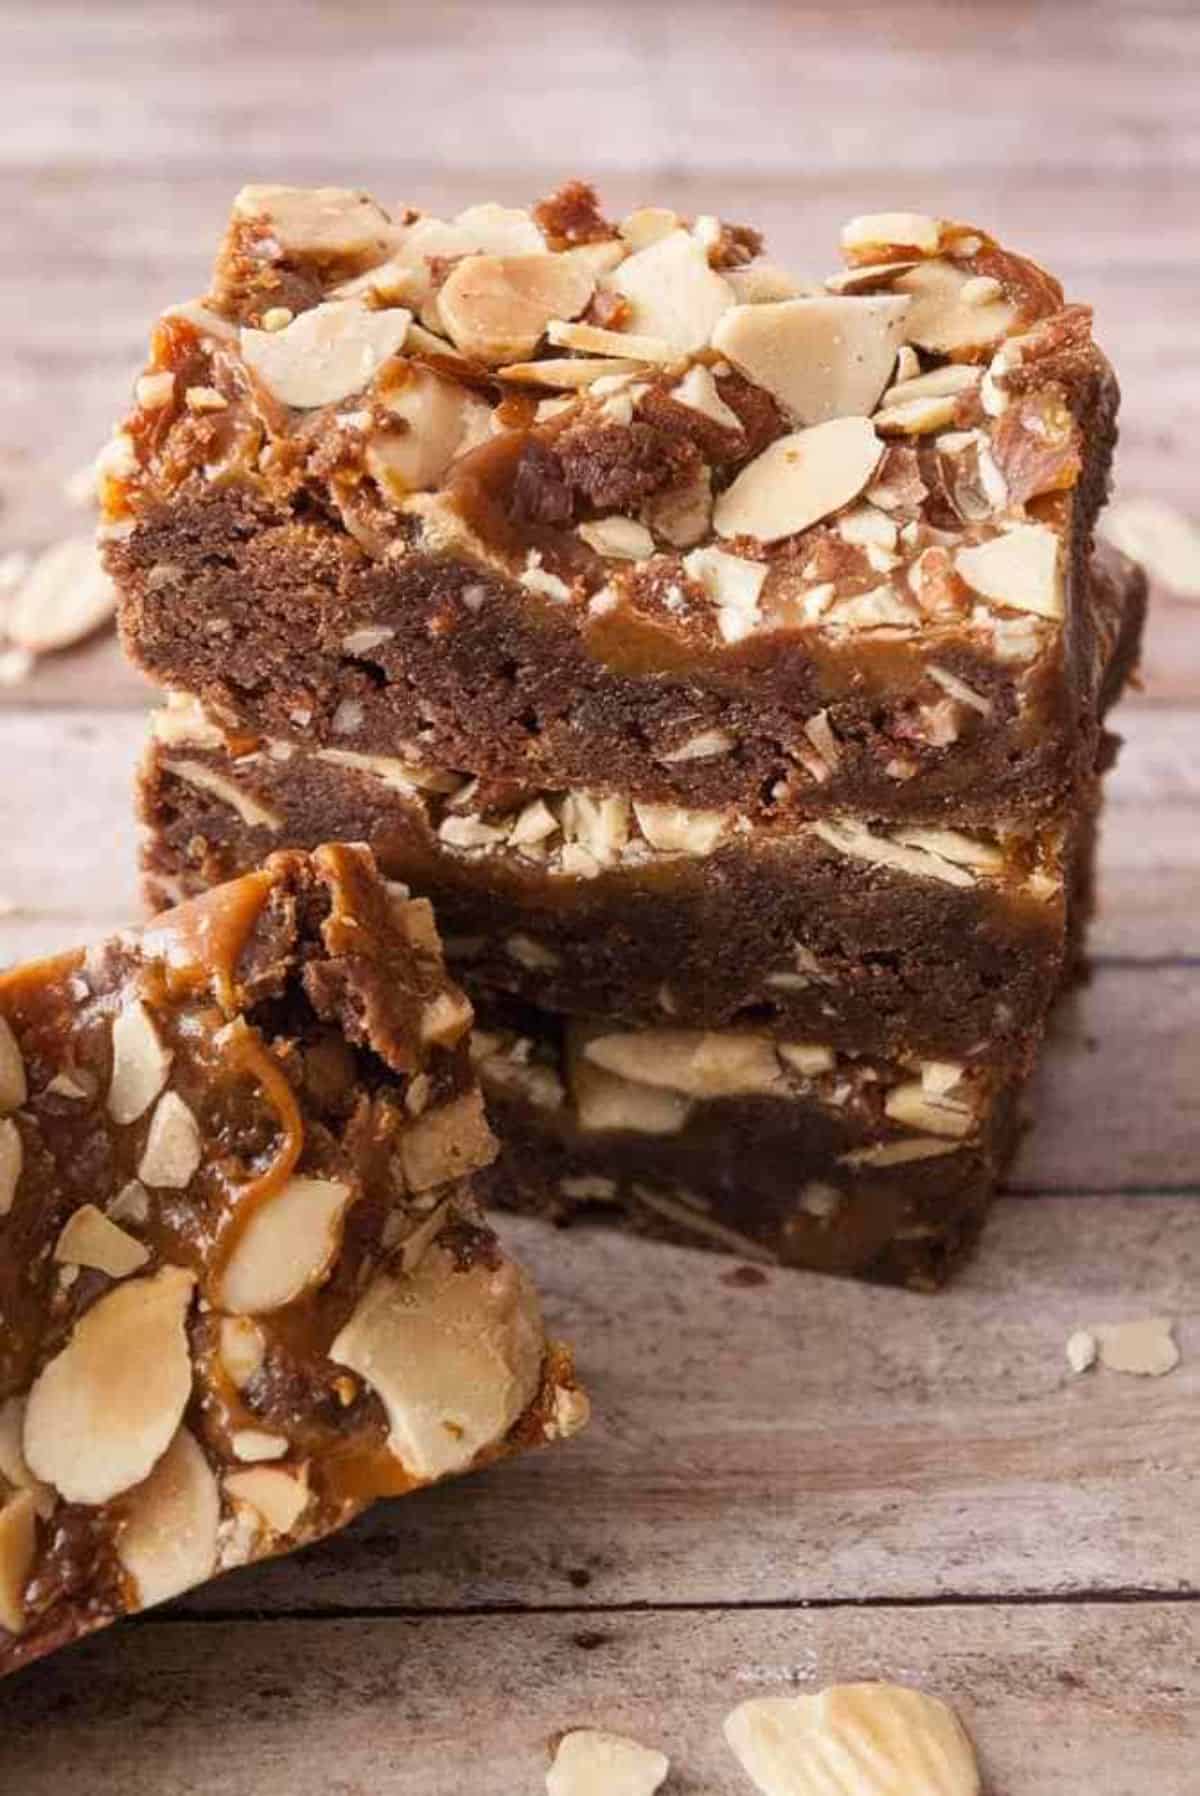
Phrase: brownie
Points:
(731, 1140)
(245, 1288)
(582, 903)
(634, 513)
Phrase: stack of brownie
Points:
(724, 653)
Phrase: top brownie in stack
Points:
(551, 500)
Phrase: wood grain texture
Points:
(786, 1483)
(1061, 1700)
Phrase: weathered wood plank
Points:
(808, 1439)
(1059, 1700)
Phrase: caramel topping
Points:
(245, 1053)
(201, 941)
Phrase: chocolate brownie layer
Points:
(732, 1141)
(244, 1286)
(586, 904)
(629, 512)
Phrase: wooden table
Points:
(784, 1484)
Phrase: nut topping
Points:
(13, 1088)
(18, 1540)
(800, 479)
(173, 1150)
(12, 1155)
(853, 1740)
(104, 1410)
(820, 358)
(279, 1497)
(496, 308)
(672, 292)
(325, 354)
(865, 237)
(319, 224)
(168, 1540)
(287, 1246)
(697, 1063)
(675, 830)
(1019, 569)
(90, 1239)
(944, 319)
(453, 1355)
(140, 1063)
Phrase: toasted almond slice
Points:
(955, 377)
(953, 845)
(618, 536)
(865, 277)
(173, 1150)
(820, 358)
(279, 1497)
(732, 582)
(90, 1239)
(318, 223)
(168, 1540)
(853, 1740)
(698, 391)
(140, 1063)
(1147, 1348)
(286, 1247)
(1020, 569)
(697, 1063)
(942, 320)
(647, 225)
(760, 282)
(916, 417)
(104, 1409)
(65, 596)
(325, 354)
(674, 829)
(14, 1467)
(453, 1353)
(800, 479)
(18, 1543)
(900, 1153)
(606, 1102)
(1159, 536)
(500, 230)
(851, 837)
(256, 1444)
(131, 1203)
(206, 779)
(446, 1143)
(12, 1158)
(705, 745)
(435, 418)
(672, 292)
(966, 695)
(891, 230)
(592, 1762)
(496, 308)
(806, 1057)
(242, 1349)
(13, 1087)
(566, 371)
(915, 1108)
(594, 341)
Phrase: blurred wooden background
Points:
(785, 1485)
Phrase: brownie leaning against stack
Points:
(723, 652)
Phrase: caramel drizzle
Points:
(201, 941)
(246, 1053)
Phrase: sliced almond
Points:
(65, 596)
(682, 513)
(14, 1467)
(953, 845)
(1020, 569)
(955, 377)
(874, 231)
(13, 1087)
(865, 277)
(90, 1239)
(168, 1539)
(131, 1203)
(592, 1762)
(242, 1349)
(446, 1143)
(799, 480)
(279, 1497)
(1162, 538)
(697, 1063)
(806, 1057)
(325, 354)
(759, 283)
(820, 358)
(672, 292)
(916, 417)
(140, 1063)
(104, 1410)
(623, 538)
(1147, 1348)
(18, 1543)
(599, 825)
(732, 582)
(446, 1018)
(916, 1108)
(500, 230)
(853, 1740)
(286, 1247)
(647, 225)
(12, 1158)
(496, 308)
(941, 319)
(705, 745)
(255, 1444)
(850, 836)
(406, 777)
(435, 418)
(318, 223)
(173, 1150)
(605, 1101)
(454, 1355)
(567, 371)
(206, 779)
(698, 391)
(900, 1153)
(593, 341)
(674, 829)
